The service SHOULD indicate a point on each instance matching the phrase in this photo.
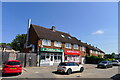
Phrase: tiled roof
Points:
(46, 33)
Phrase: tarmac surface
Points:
(50, 72)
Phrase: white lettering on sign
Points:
(72, 51)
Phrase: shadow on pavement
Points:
(55, 72)
(58, 73)
(10, 75)
(116, 77)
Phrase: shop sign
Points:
(71, 52)
(51, 50)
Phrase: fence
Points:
(27, 59)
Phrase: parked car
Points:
(69, 67)
(12, 66)
(116, 62)
(105, 64)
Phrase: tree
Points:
(113, 54)
(18, 42)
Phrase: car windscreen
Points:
(104, 62)
(114, 61)
(63, 64)
(67, 64)
(13, 63)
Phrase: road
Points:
(50, 72)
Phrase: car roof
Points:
(13, 61)
(67, 62)
(105, 61)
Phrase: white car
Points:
(116, 62)
(69, 67)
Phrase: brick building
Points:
(53, 46)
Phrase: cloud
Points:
(98, 32)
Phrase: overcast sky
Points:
(93, 22)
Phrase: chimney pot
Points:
(53, 28)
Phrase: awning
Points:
(71, 52)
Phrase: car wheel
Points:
(97, 66)
(81, 69)
(69, 71)
(111, 66)
(105, 67)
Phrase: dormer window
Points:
(62, 35)
(69, 37)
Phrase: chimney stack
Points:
(53, 28)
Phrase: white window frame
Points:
(46, 42)
(82, 48)
(57, 44)
(68, 45)
(76, 46)
(96, 52)
(91, 51)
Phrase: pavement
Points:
(50, 72)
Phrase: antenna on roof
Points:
(29, 22)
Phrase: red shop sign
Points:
(71, 52)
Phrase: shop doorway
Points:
(50, 59)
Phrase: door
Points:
(51, 59)
(83, 60)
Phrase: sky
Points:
(95, 23)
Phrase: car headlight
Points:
(105, 64)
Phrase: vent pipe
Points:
(27, 37)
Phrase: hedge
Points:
(96, 59)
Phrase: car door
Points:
(76, 67)
(109, 64)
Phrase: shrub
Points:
(93, 59)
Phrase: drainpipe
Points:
(63, 57)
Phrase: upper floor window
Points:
(68, 45)
(46, 42)
(83, 48)
(96, 52)
(91, 51)
(57, 44)
(75, 46)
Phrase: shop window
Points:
(55, 57)
(65, 58)
(59, 57)
(42, 56)
(57, 44)
(47, 56)
(68, 45)
(46, 42)
(75, 46)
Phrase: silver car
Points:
(116, 62)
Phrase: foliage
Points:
(100, 56)
(18, 42)
(93, 59)
(108, 59)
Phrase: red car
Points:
(12, 66)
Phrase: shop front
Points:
(50, 56)
(72, 56)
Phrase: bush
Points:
(93, 59)
(108, 59)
